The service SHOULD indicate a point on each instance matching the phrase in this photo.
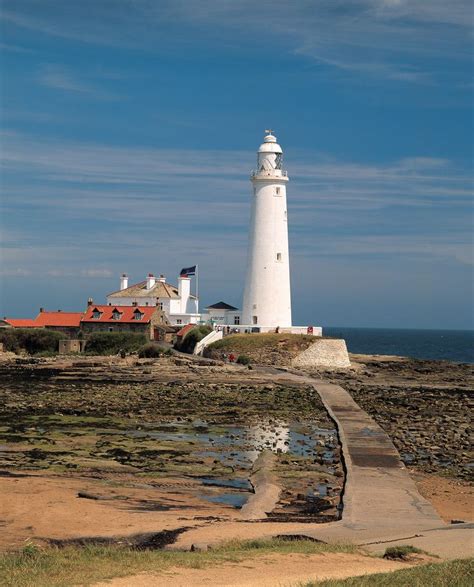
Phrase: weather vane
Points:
(269, 131)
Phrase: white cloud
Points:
(60, 78)
(96, 273)
(378, 38)
(92, 200)
(14, 48)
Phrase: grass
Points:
(457, 573)
(52, 567)
(245, 342)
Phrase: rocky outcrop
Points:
(324, 353)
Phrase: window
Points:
(277, 191)
(254, 320)
(286, 214)
(255, 306)
(96, 314)
(137, 315)
(278, 256)
(160, 305)
(116, 315)
(236, 320)
(179, 321)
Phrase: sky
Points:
(129, 130)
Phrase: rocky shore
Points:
(175, 438)
(196, 423)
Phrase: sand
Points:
(264, 571)
(38, 507)
(453, 499)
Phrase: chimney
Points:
(90, 301)
(123, 281)
(41, 310)
(184, 291)
(150, 280)
(162, 278)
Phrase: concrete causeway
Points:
(382, 505)
(379, 493)
(381, 502)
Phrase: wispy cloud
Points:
(137, 195)
(61, 78)
(89, 273)
(14, 48)
(377, 38)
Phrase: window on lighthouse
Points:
(278, 256)
(277, 191)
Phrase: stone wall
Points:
(326, 353)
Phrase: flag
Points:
(187, 271)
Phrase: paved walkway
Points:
(382, 506)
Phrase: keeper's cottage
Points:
(178, 304)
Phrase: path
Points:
(382, 505)
(267, 570)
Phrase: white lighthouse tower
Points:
(267, 296)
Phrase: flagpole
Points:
(197, 287)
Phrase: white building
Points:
(179, 305)
(267, 295)
(221, 314)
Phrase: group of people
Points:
(224, 329)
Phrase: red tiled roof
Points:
(127, 312)
(72, 319)
(185, 329)
(21, 322)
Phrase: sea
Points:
(449, 345)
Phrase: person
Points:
(231, 358)
(277, 329)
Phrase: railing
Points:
(269, 173)
(207, 340)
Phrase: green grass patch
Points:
(53, 567)
(457, 573)
(246, 342)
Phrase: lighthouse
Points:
(267, 296)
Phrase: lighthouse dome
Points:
(270, 144)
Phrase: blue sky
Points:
(129, 128)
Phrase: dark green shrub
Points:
(112, 343)
(401, 552)
(192, 337)
(31, 340)
(243, 360)
(152, 350)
